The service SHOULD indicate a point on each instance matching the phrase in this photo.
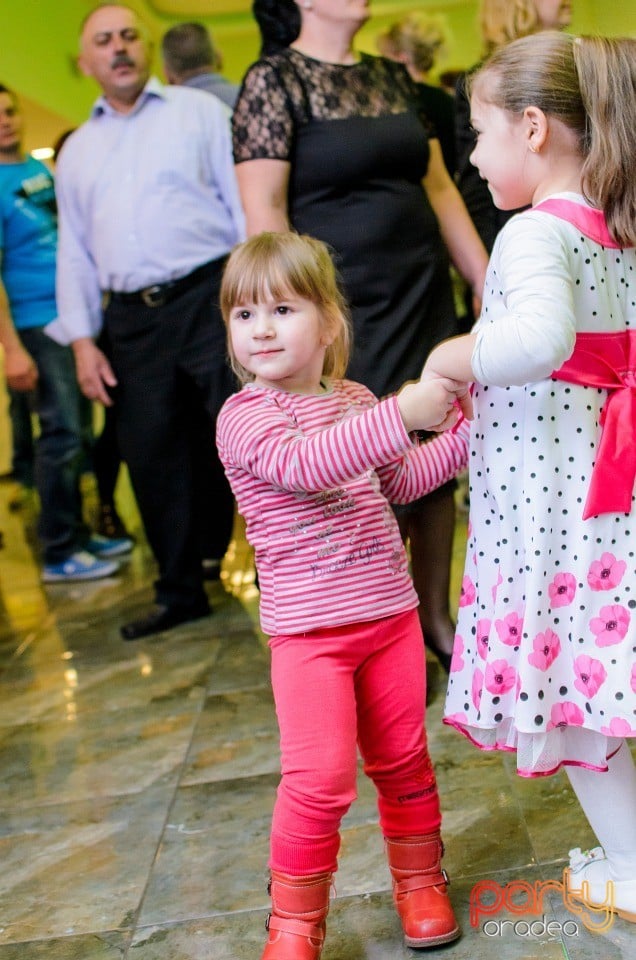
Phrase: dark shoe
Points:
(162, 617)
(109, 524)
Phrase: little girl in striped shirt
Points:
(315, 462)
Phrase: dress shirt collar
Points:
(153, 88)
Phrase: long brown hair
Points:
(589, 84)
(278, 265)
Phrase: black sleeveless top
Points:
(358, 150)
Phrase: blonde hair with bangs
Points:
(278, 265)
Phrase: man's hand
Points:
(20, 369)
(94, 372)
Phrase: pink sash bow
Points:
(608, 361)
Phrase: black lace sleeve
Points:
(262, 123)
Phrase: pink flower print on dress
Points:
(546, 647)
(496, 585)
(562, 590)
(456, 718)
(590, 675)
(618, 728)
(468, 593)
(500, 677)
(510, 629)
(610, 626)
(457, 662)
(565, 714)
(632, 680)
(606, 573)
(483, 632)
(478, 685)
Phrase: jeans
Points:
(58, 449)
(22, 438)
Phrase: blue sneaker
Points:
(79, 566)
(109, 546)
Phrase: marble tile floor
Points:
(138, 781)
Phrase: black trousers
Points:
(170, 363)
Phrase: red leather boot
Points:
(296, 925)
(419, 890)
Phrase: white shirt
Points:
(144, 198)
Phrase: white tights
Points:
(609, 803)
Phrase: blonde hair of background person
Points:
(417, 41)
(501, 21)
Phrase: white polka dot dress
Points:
(544, 659)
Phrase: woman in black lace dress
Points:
(331, 143)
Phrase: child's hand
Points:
(465, 400)
(433, 404)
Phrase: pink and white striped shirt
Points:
(314, 476)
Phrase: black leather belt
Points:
(159, 294)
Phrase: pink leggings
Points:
(335, 689)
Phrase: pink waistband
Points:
(608, 361)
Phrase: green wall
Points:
(39, 42)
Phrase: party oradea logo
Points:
(489, 899)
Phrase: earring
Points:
(533, 149)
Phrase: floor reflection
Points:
(138, 781)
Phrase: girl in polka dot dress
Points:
(544, 659)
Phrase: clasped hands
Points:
(434, 402)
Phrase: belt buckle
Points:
(154, 296)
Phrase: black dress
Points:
(438, 107)
(358, 151)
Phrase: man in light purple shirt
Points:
(149, 209)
